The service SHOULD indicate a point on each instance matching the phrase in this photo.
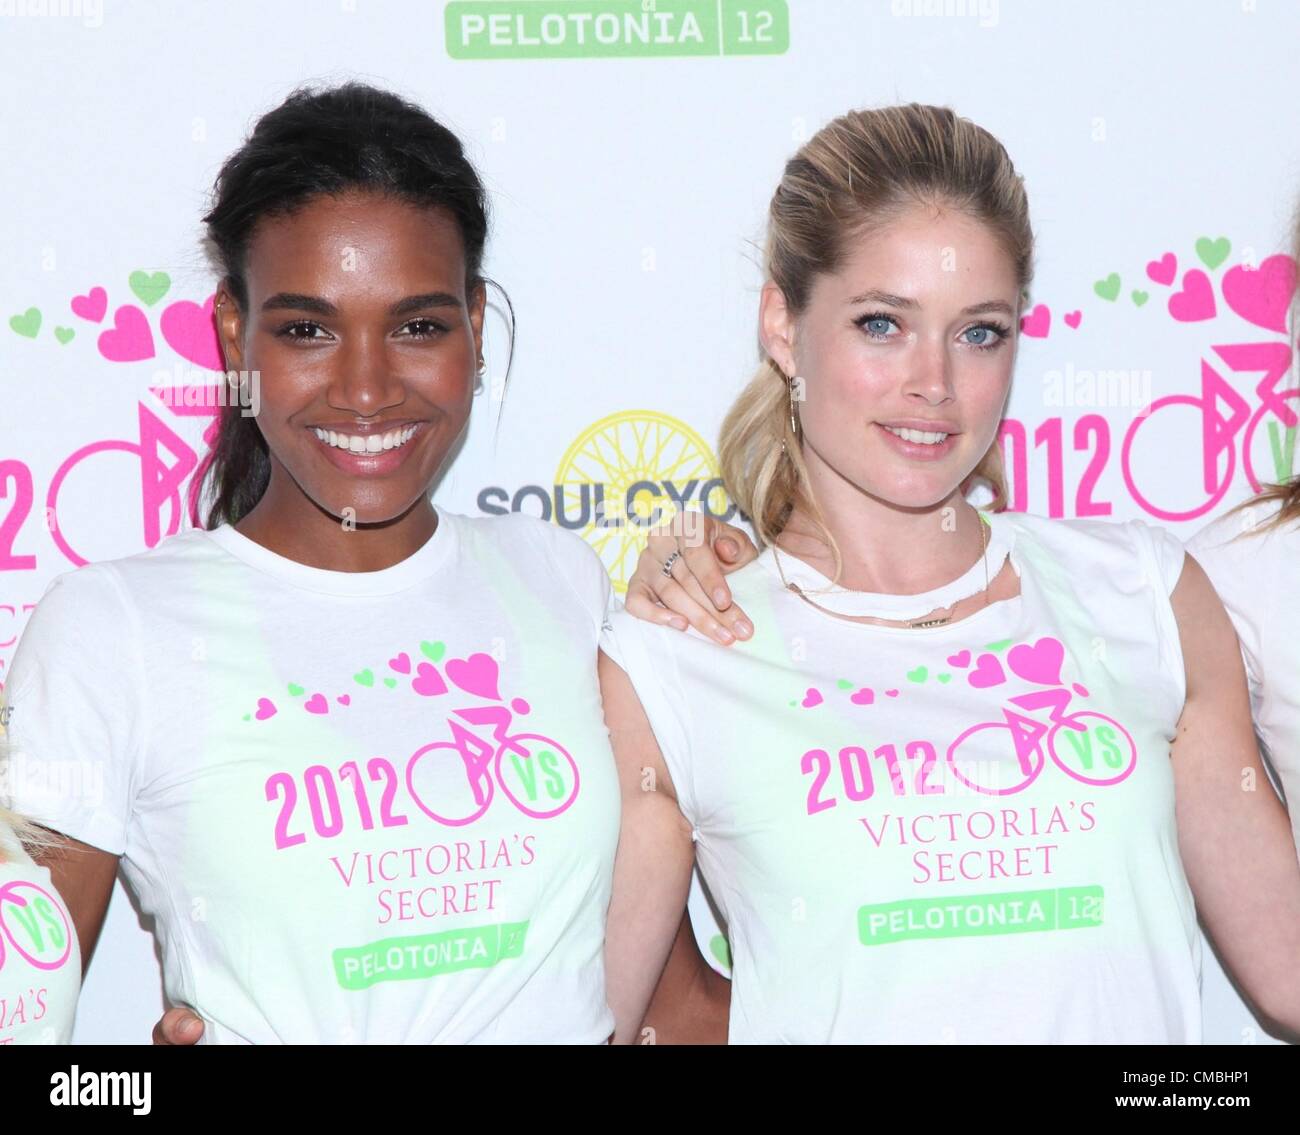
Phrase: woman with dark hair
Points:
(351, 745)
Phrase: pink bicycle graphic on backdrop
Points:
(1219, 433)
(45, 928)
(453, 782)
(1100, 753)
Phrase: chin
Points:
(365, 508)
(914, 496)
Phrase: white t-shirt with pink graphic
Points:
(962, 833)
(363, 807)
(40, 959)
(1257, 575)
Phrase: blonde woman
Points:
(971, 776)
(40, 962)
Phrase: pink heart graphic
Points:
(316, 704)
(1073, 318)
(129, 339)
(811, 698)
(402, 663)
(191, 333)
(863, 696)
(344, 699)
(265, 709)
(891, 693)
(476, 674)
(988, 672)
(1040, 663)
(1196, 301)
(961, 659)
(1162, 271)
(429, 682)
(1037, 323)
(92, 305)
(1262, 295)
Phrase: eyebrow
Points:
(297, 301)
(890, 300)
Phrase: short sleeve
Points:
(73, 711)
(580, 566)
(644, 653)
(1162, 556)
(1170, 554)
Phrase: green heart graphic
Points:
(64, 335)
(149, 287)
(944, 677)
(1140, 297)
(918, 675)
(248, 717)
(28, 323)
(1213, 252)
(844, 684)
(1108, 288)
(390, 682)
(294, 689)
(433, 651)
(719, 949)
(365, 678)
(996, 646)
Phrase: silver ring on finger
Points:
(668, 563)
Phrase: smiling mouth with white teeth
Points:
(366, 443)
(920, 437)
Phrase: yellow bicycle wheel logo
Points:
(638, 464)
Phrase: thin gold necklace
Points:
(917, 624)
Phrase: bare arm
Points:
(84, 876)
(652, 868)
(692, 1001)
(1236, 843)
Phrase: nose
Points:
(362, 381)
(930, 375)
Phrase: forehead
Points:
(926, 249)
(355, 233)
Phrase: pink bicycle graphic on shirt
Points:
(1087, 746)
(44, 939)
(1219, 433)
(454, 782)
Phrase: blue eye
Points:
(990, 336)
(876, 324)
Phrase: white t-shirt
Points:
(40, 959)
(363, 807)
(905, 852)
(1258, 578)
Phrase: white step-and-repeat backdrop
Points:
(630, 149)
